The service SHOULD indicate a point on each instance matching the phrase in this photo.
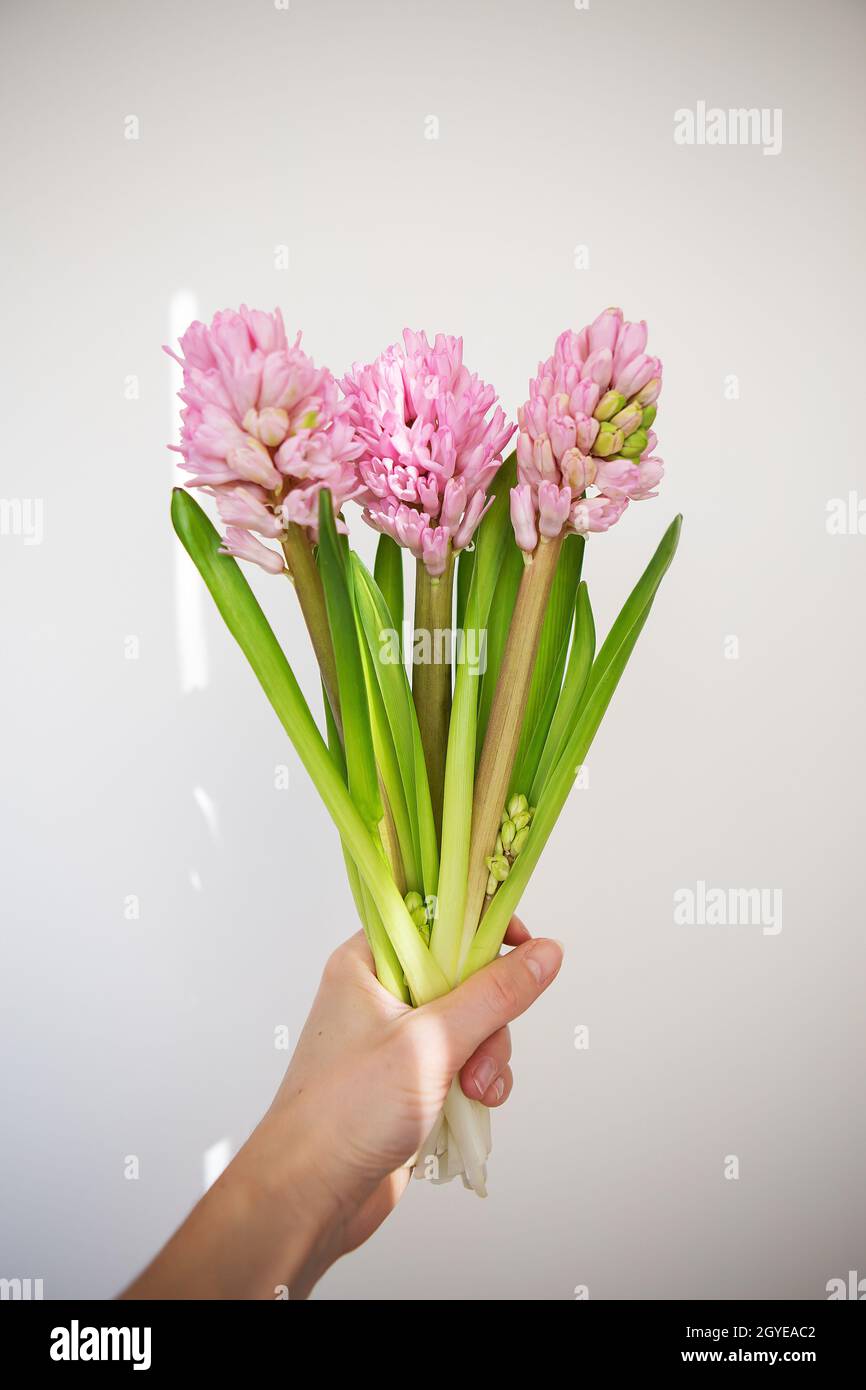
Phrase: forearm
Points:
(269, 1224)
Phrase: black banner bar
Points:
(66, 1338)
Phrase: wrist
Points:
(290, 1197)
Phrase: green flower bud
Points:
(507, 833)
(649, 416)
(516, 804)
(309, 420)
(497, 848)
(492, 885)
(519, 841)
(523, 819)
(634, 445)
(609, 442)
(499, 867)
(418, 912)
(609, 404)
(627, 420)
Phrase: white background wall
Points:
(154, 1037)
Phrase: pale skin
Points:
(328, 1161)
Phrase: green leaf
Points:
(388, 572)
(633, 610)
(388, 767)
(399, 708)
(576, 676)
(492, 537)
(248, 625)
(385, 960)
(354, 709)
(447, 933)
(388, 968)
(396, 735)
(546, 682)
(606, 672)
(465, 564)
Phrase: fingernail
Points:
(543, 959)
(483, 1075)
(498, 1088)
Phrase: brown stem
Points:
(431, 679)
(311, 596)
(504, 726)
(391, 842)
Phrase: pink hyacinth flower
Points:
(244, 546)
(596, 513)
(264, 430)
(585, 447)
(430, 445)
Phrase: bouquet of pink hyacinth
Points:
(446, 751)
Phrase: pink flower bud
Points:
(244, 506)
(425, 491)
(245, 547)
(635, 375)
(651, 472)
(605, 330)
(253, 463)
(587, 432)
(563, 432)
(630, 343)
(524, 450)
(578, 471)
(545, 463)
(596, 513)
(584, 398)
(472, 516)
(434, 550)
(270, 425)
(554, 504)
(617, 477)
(523, 517)
(598, 368)
(409, 528)
(453, 504)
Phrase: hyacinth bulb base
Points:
(458, 1145)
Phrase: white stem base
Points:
(458, 1144)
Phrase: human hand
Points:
(328, 1161)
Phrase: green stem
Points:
(387, 965)
(431, 676)
(311, 597)
(384, 956)
(457, 818)
(505, 724)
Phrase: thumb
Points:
(491, 998)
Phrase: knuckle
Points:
(503, 998)
(336, 963)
